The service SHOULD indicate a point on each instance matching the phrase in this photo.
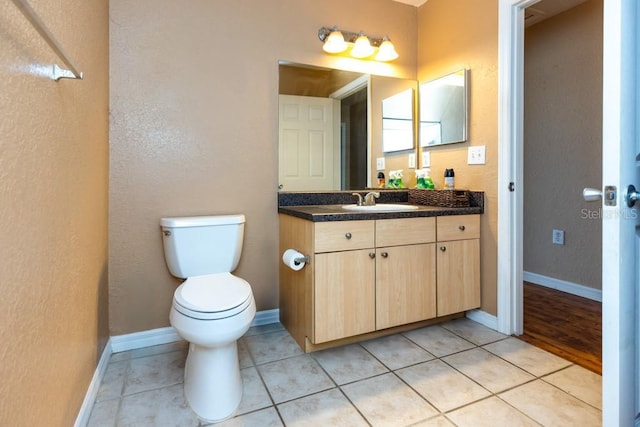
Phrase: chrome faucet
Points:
(359, 202)
(370, 198)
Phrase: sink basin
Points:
(380, 207)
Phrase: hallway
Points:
(566, 325)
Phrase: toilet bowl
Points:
(212, 382)
(211, 310)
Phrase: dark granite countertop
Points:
(319, 213)
(327, 206)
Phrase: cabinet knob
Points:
(347, 235)
(372, 255)
(443, 248)
(461, 227)
(384, 254)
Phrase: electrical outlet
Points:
(426, 159)
(412, 161)
(476, 155)
(380, 163)
(558, 237)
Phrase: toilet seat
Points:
(212, 296)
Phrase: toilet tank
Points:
(198, 245)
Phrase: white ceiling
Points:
(538, 12)
(415, 3)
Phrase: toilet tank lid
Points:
(202, 221)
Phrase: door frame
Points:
(510, 163)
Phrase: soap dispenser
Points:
(420, 179)
(449, 183)
(428, 182)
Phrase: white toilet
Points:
(211, 309)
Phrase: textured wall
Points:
(455, 34)
(194, 126)
(53, 212)
(563, 144)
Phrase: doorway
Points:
(562, 153)
(620, 225)
(354, 140)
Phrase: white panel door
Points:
(620, 224)
(309, 150)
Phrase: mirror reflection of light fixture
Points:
(358, 45)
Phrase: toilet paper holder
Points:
(305, 259)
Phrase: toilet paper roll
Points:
(289, 258)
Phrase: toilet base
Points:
(212, 382)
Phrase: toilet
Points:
(211, 309)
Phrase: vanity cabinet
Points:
(366, 276)
(458, 263)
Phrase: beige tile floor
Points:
(459, 373)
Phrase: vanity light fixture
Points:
(362, 47)
(334, 42)
(359, 45)
(386, 51)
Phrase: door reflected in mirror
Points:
(443, 110)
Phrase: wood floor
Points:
(563, 324)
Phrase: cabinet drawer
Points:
(458, 227)
(405, 231)
(343, 235)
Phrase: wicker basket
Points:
(444, 198)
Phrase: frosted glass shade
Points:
(362, 47)
(386, 51)
(335, 43)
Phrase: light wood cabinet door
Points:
(343, 295)
(458, 276)
(405, 284)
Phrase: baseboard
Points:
(90, 397)
(168, 335)
(563, 285)
(484, 318)
(143, 339)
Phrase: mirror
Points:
(330, 127)
(443, 110)
(397, 122)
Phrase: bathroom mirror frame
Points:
(443, 112)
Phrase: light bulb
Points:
(335, 42)
(362, 47)
(386, 51)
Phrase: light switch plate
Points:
(426, 159)
(412, 161)
(380, 163)
(476, 155)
